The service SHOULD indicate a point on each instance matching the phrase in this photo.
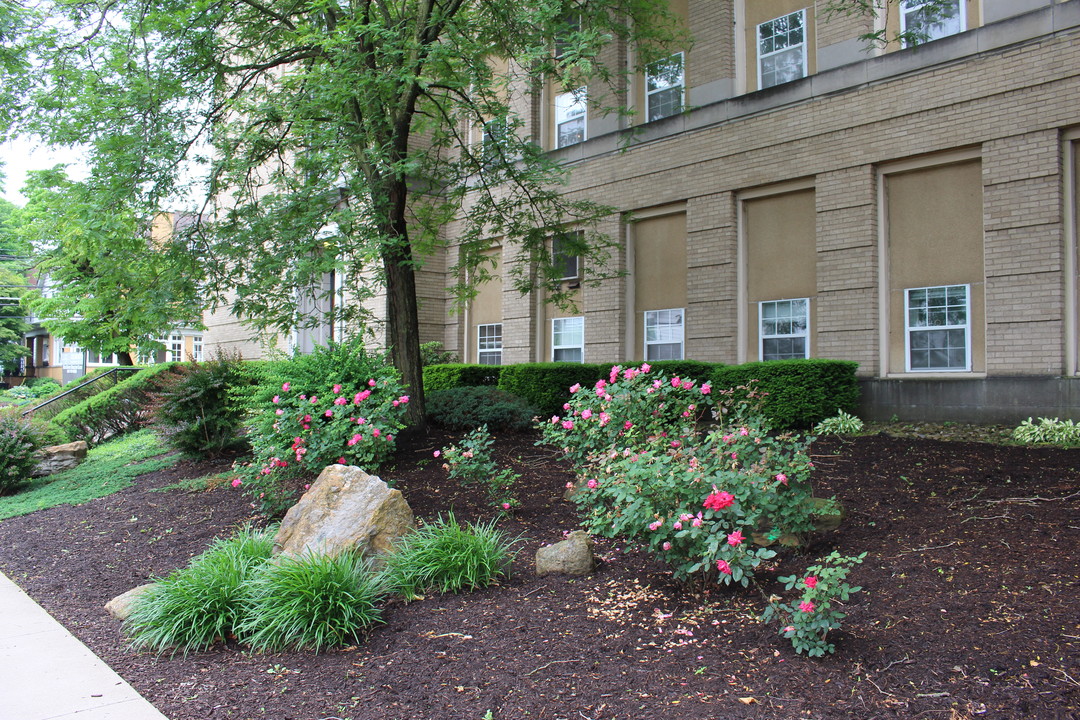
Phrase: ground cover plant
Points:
(954, 621)
(108, 468)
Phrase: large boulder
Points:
(55, 458)
(572, 556)
(345, 509)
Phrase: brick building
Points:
(784, 191)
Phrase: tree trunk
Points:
(403, 320)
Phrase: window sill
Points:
(955, 375)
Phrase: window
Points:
(489, 344)
(95, 358)
(926, 20)
(570, 117)
(569, 26)
(568, 339)
(490, 140)
(175, 348)
(664, 334)
(784, 326)
(197, 348)
(664, 87)
(564, 254)
(781, 44)
(937, 328)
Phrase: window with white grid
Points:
(568, 339)
(938, 329)
(926, 20)
(489, 344)
(664, 84)
(664, 334)
(781, 46)
(784, 329)
(570, 110)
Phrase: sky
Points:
(19, 156)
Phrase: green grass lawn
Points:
(108, 468)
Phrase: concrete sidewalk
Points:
(46, 673)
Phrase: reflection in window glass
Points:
(568, 339)
(570, 117)
(782, 49)
(784, 329)
(664, 87)
(664, 334)
(937, 328)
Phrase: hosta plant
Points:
(841, 423)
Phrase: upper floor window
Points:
(938, 336)
(568, 339)
(664, 334)
(926, 20)
(564, 256)
(489, 344)
(570, 110)
(491, 138)
(784, 331)
(781, 49)
(664, 83)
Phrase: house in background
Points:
(785, 192)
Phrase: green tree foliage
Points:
(13, 267)
(344, 134)
(887, 31)
(109, 286)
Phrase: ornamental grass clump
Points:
(201, 604)
(448, 557)
(311, 602)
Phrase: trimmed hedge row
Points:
(800, 393)
(124, 407)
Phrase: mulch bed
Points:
(971, 606)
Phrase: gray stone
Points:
(345, 509)
(120, 606)
(55, 458)
(572, 556)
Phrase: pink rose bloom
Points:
(328, 413)
(467, 454)
(630, 373)
(371, 383)
(667, 546)
(696, 522)
(306, 419)
(355, 439)
(569, 485)
(656, 384)
(810, 581)
(675, 382)
(341, 401)
(600, 391)
(586, 414)
(266, 471)
(789, 629)
(554, 419)
(285, 387)
(592, 483)
(627, 425)
(782, 478)
(360, 421)
(314, 399)
(600, 384)
(375, 432)
(735, 539)
(340, 461)
(337, 389)
(566, 406)
(806, 606)
(654, 526)
(568, 425)
(237, 482)
(276, 400)
(438, 453)
(734, 456)
(303, 396)
(574, 388)
(723, 567)
(744, 432)
(687, 384)
(506, 506)
(395, 403)
(403, 399)
(675, 443)
(279, 411)
(604, 419)
(646, 367)
(677, 525)
(614, 373)
(719, 500)
(706, 389)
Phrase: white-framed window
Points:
(664, 334)
(938, 328)
(784, 329)
(95, 358)
(664, 84)
(569, 25)
(197, 348)
(489, 344)
(570, 111)
(568, 339)
(174, 351)
(930, 20)
(564, 256)
(781, 49)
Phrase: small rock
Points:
(572, 556)
(120, 606)
(55, 458)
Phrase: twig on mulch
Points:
(1031, 500)
(553, 662)
(928, 547)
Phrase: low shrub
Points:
(448, 557)
(196, 606)
(454, 375)
(543, 385)
(335, 405)
(76, 394)
(310, 602)
(1047, 430)
(471, 463)
(808, 624)
(464, 408)
(840, 424)
(199, 412)
(18, 440)
(44, 387)
(432, 353)
(19, 392)
(121, 408)
(798, 393)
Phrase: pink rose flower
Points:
(574, 388)
(696, 522)
(328, 413)
(371, 383)
(237, 482)
(276, 400)
(627, 425)
(341, 401)
(810, 581)
(655, 525)
(337, 389)
(279, 411)
(586, 413)
(567, 425)
(285, 387)
(341, 461)
(667, 546)
(314, 399)
(735, 539)
(782, 478)
(723, 567)
(404, 399)
(677, 525)
(806, 606)
(789, 629)
(506, 506)
(687, 384)
(719, 500)
(592, 483)
(706, 389)
(375, 432)
(646, 367)
(675, 382)
(438, 453)
(355, 439)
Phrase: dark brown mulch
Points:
(971, 607)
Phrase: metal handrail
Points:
(115, 370)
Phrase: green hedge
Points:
(686, 369)
(124, 407)
(452, 375)
(74, 398)
(801, 393)
(545, 385)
